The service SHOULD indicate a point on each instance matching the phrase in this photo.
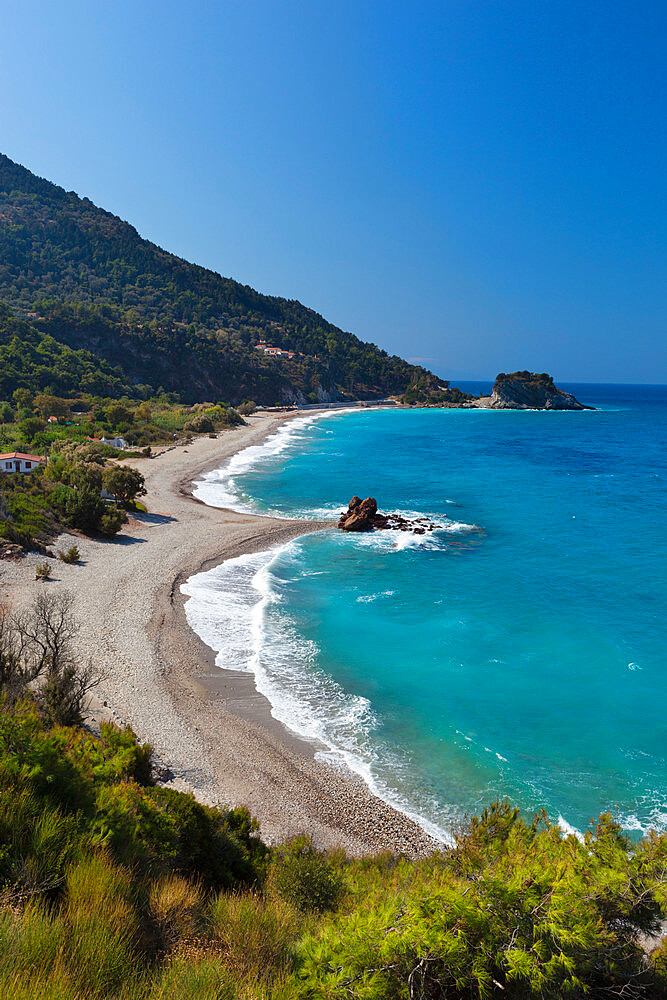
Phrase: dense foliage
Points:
(68, 492)
(34, 360)
(26, 512)
(427, 390)
(113, 888)
(516, 910)
(78, 476)
(134, 313)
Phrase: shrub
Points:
(111, 521)
(81, 505)
(42, 571)
(124, 483)
(516, 910)
(232, 417)
(72, 555)
(30, 944)
(257, 935)
(305, 877)
(103, 925)
(219, 847)
(176, 906)
(200, 425)
(38, 840)
(193, 976)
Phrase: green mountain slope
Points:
(95, 285)
(31, 359)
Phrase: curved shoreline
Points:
(209, 727)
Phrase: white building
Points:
(17, 461)
(117, 442)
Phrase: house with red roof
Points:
(18, 461)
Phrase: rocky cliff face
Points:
(528, 391)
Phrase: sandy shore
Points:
(211, 731)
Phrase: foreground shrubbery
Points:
(515, 910)
(113, 888)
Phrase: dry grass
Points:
(176, 906)
(256, 935)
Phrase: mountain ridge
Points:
(92, 282)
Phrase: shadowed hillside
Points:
(87, 279)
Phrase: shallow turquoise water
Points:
(525, 659)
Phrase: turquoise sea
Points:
(518, 651)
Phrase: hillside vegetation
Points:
(113, 887)
(143, 317)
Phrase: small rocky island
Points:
(362, 515)
(528, 391)
(517, 391)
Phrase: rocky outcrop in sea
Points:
(528, 391)
(363, 515)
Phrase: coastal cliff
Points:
(528, 391)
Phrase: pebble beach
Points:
(212, 733)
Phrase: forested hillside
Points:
(85, 278)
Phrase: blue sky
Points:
(477, 184)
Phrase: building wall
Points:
(10, 465)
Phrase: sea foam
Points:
(233, 609)
(219, 487)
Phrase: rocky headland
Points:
(527, 391)
(522, 390)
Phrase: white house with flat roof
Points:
(18, 461)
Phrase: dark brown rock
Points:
(362, 515)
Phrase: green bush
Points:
(200, 425)
(105, 783)
(256, 935)
(193, 976)
(111, 521)
(305, 877)
(71, 555)
(38, 840)
(102, 923)
(219, 847)
(124, 483)
(517, 910)
(81, 505)
(177, 908)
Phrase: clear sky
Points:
(479, 185)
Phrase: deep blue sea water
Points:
(519, 651)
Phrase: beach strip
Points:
(211, 731)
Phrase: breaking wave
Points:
(220, 487)
(233, 608)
